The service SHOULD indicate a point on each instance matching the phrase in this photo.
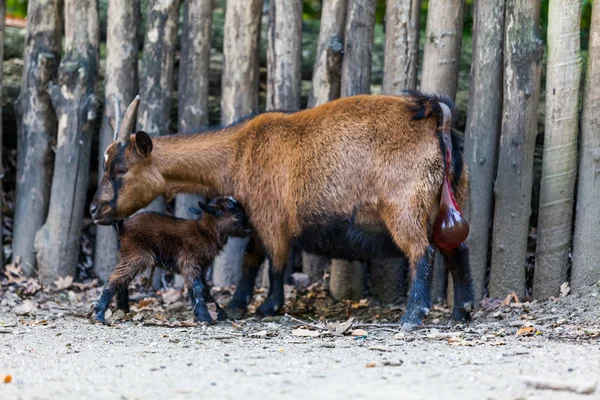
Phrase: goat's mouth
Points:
(104, 220)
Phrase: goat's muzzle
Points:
(102, 214)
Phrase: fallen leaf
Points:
(342, 328)
(8, 379)
(526, 331)
(14, 273)
(564, 289)
(171, 296)
(510, 298)
(31, 287)
(63, 283)
(371, 365)
(305, 332)
(145, 302)
(359, 332)
(86, 286)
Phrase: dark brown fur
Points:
(182, 246)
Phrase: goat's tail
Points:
(450, 230)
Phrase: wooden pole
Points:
(36, 127)
(586, 252)
(73, 98)
(523, 51)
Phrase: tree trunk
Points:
(523, 51)
(358, 46)
(388, 277)
(326, 84)
(559, 170)
(441, 60)
(441, 57)
(37, 127)
(401, 45)
(2, 18)
(122, 80)
(73, 98)
(347, 277)
(484, 120)
(284, 57)
(327, 72)
(192, 90)
(239, 98)
(156, 80)
(586, 253)
(347, 281)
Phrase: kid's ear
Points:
(196, 211)
(143, 143)
(211, 209)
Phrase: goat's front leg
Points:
(102, 304)
(457, 261)
(198, 293)
(254, 257)
(274, 301)
(419, 296)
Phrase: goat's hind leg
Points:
(419, 296)
(457, 261)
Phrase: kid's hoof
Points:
(268, 308)
(203, 318)
(410, 322)
(99, 317)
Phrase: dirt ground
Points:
(50, 349)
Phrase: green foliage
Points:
(18, 8)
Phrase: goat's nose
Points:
(93, 209)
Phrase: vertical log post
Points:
(73, 98)
(122, 80)
(347, 278)
(284, 57)
(586, 252)
(441, 60)
(156, 80)
(523, 52)
(401, 57)
(36, 127)
(559, 169)
(2, 18)
(484, 120)
(239, 98)
(326, 85)
(441, 56)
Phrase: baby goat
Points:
(183, 246)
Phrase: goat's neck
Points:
(197, 163)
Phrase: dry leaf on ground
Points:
(63, 283)
(300, 332)
(564, 289)
(8, 379)
(359, 332)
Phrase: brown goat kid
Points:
(183, 246)
(360, 178)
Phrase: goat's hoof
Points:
(269, 308)
(99, 317)
(203, 318)
(235, 312)
(410, 322)
(221, 315)
(462, 314)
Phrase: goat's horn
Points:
(117, 115)
(128, 122)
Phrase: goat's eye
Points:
(121, 170)
(230, 205)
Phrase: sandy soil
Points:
(52, 350)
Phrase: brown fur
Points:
(183, 246)
(365, 156)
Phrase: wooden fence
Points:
(56, 111)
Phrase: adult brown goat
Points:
(358, 178)
(187, 247)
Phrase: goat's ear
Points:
(143, 143)
(113, 123)
(211, 209)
